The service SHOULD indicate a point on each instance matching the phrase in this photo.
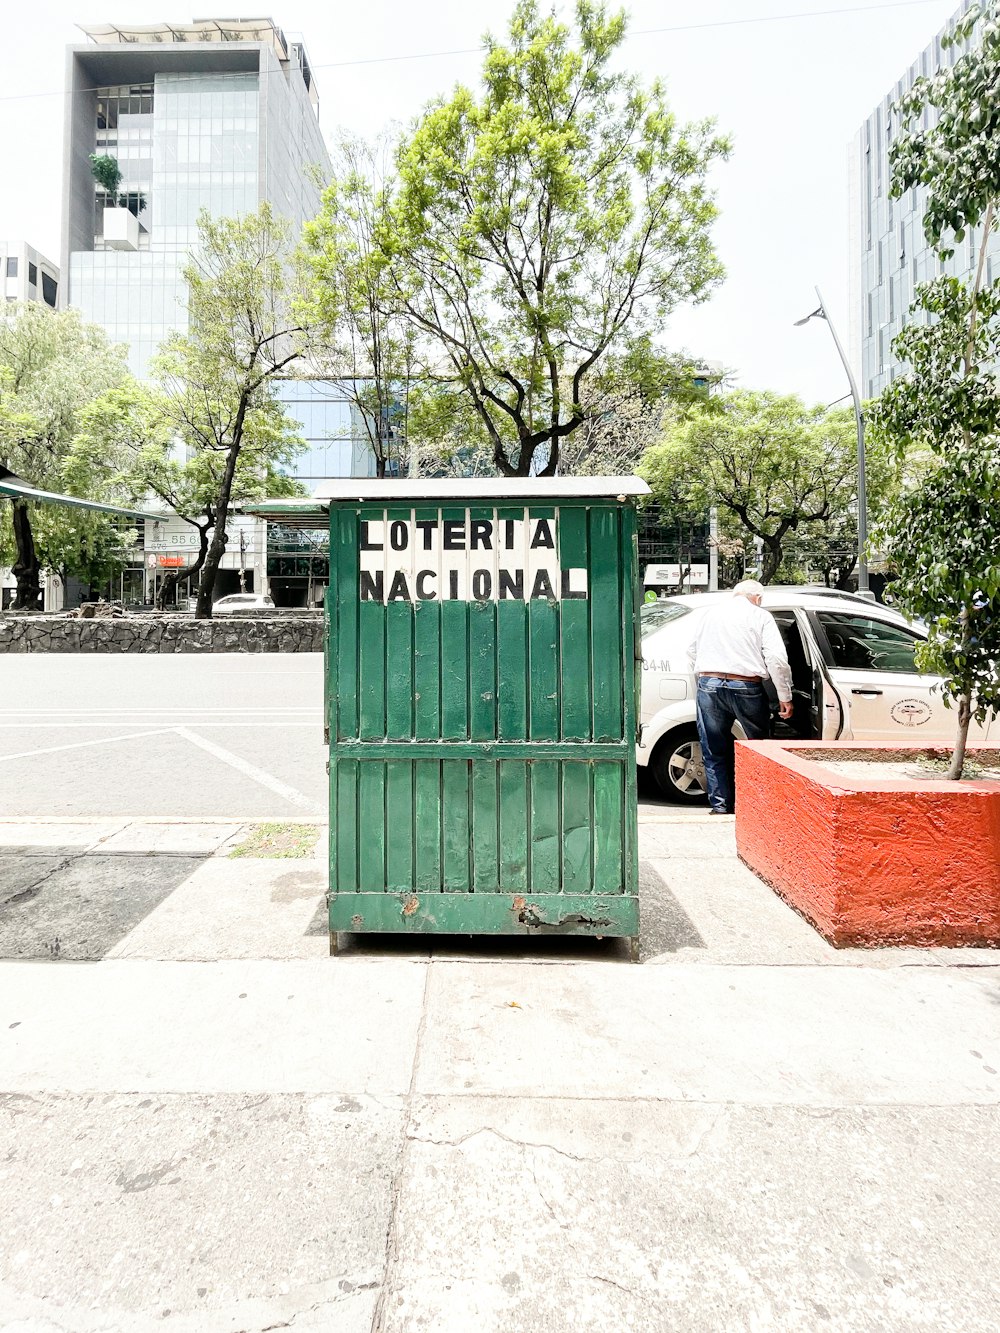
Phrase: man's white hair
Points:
(749, 588)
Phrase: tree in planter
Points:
(219, 377)
(769, 463)
(51, 366)
(108, 174)
(357, 333)
(552, 219)
(941, 419)
(105, 170)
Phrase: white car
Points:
(853, 678)
(241, 601)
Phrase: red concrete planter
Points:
(871, 861)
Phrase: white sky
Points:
(792, 93)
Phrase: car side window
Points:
(862, 643)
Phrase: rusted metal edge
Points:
(439, 913)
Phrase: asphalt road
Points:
(181, 735)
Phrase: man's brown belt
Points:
(728, 675)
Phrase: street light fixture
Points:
(821, 313)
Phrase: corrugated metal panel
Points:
(482, 738)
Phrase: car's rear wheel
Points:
(677, 767)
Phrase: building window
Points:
(12, 266)
(32, 274)
(50, 289)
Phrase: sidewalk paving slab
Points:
(195, 1212)
(133, 1026)
(247, 908)
(786, 1035)
(195, 839)
(85, 904)
(432, 1135)
(599, 1215)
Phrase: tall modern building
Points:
(216, 114)
(219, 114)
(889, 255)
(26, 274)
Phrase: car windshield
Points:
(654, 615)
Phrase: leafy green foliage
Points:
(770, 464)
(947, 530)
(555, 216)
(105, 170)
(940, 419)
(52, 365)
(218, 378)
(954, 155)
(357, 334)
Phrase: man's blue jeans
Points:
(720, 703)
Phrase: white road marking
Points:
(79, 745)
(168, 724)
(250, 710)
(249, 770)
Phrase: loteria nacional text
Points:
(464, 559)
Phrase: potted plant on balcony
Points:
(120, 224)
(884, 860)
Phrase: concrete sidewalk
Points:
(206, 1123)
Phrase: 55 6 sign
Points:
(464, 559)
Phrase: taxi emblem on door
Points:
(910, 712)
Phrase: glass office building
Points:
(217, 114)
(336, 441)
(889, 255)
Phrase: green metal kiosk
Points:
(481, 703)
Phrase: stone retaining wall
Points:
(24, 633)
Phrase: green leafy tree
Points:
(771, 464)
(105, 170)
(131, 447)
(622, 414)
(52, 365)
(357, 334)
(218, 379)
(941, 419)
(556, 217)
(127, 449)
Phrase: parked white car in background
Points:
(241, 601)
(853, 678)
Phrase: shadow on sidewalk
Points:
(664, 928)
(64, 903)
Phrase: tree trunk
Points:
(772, 559)
(961, 740)
(176, 575)
(844, 575)
(957, 765)
(217, 548)
(25, 568)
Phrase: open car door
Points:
(818, 712)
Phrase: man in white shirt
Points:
(738, 645)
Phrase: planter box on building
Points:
(872, 860)
(121, 229)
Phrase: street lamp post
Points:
(820, 313)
